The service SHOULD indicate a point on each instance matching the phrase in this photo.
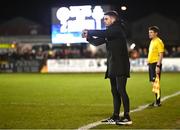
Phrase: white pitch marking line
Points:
(140, 108)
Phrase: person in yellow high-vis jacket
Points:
(155, 57)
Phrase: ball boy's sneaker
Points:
(155, 104)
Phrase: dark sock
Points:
(126, 115)
(158, 101)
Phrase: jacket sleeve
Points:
(96, 41)
(108, 33)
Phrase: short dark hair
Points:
(154, 28)
(113, 14)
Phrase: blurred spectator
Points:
(173, 52)
(178, 52)
(145, 52)
(134, 54)
(41, 52)
(100, 54)
(142, 52)
(166, 53)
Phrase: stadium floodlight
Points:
(132, 46)
(123, 8)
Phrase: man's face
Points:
(152, 34)
(108, 20)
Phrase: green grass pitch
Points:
(73, 100)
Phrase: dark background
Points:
(40, 10)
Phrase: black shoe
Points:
(125, 121)
(111, 120)
(155, 104)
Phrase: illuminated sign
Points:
(6, 45)
(68, 22)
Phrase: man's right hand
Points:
(84, 33)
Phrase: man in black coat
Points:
(118, 66)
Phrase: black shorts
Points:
(152, 71)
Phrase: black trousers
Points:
(118, 89)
